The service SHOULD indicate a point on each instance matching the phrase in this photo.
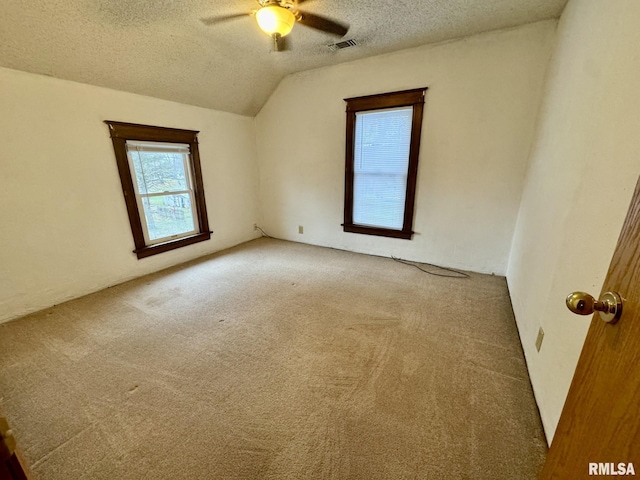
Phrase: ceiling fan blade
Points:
(296, 4)
(223, 18)
(322, 23)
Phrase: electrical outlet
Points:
(255, 226)
(539, 339)
(300, 229)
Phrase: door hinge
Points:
(7, 440)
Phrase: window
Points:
(162, 184)
(382, 148)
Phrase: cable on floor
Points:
(411, 264)
(264, 234)
(457, 273)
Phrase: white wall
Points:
(584, 165)
(64, 230)
(479, 118)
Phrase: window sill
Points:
(171, 245)
(380, 232)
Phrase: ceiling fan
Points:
(277, 17)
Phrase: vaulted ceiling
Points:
(161, 48)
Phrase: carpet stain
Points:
(166, 296)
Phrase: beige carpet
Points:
(275, 360)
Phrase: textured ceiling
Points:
(161, 48)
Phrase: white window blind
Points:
(381, 162)
(164, 189)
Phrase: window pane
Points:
(168, 215)
(381, 162)
(158, 172)
(378, 200)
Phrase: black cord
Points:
(458, 274)
(264, 234)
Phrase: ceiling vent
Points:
(340, 45)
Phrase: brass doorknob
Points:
(609, 305)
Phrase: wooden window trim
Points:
(120, 133)
(405, 98)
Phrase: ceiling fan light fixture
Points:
(274, 19)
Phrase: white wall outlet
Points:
(539, 339)
(300, 229)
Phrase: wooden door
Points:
(10, 465)
(600, 422)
